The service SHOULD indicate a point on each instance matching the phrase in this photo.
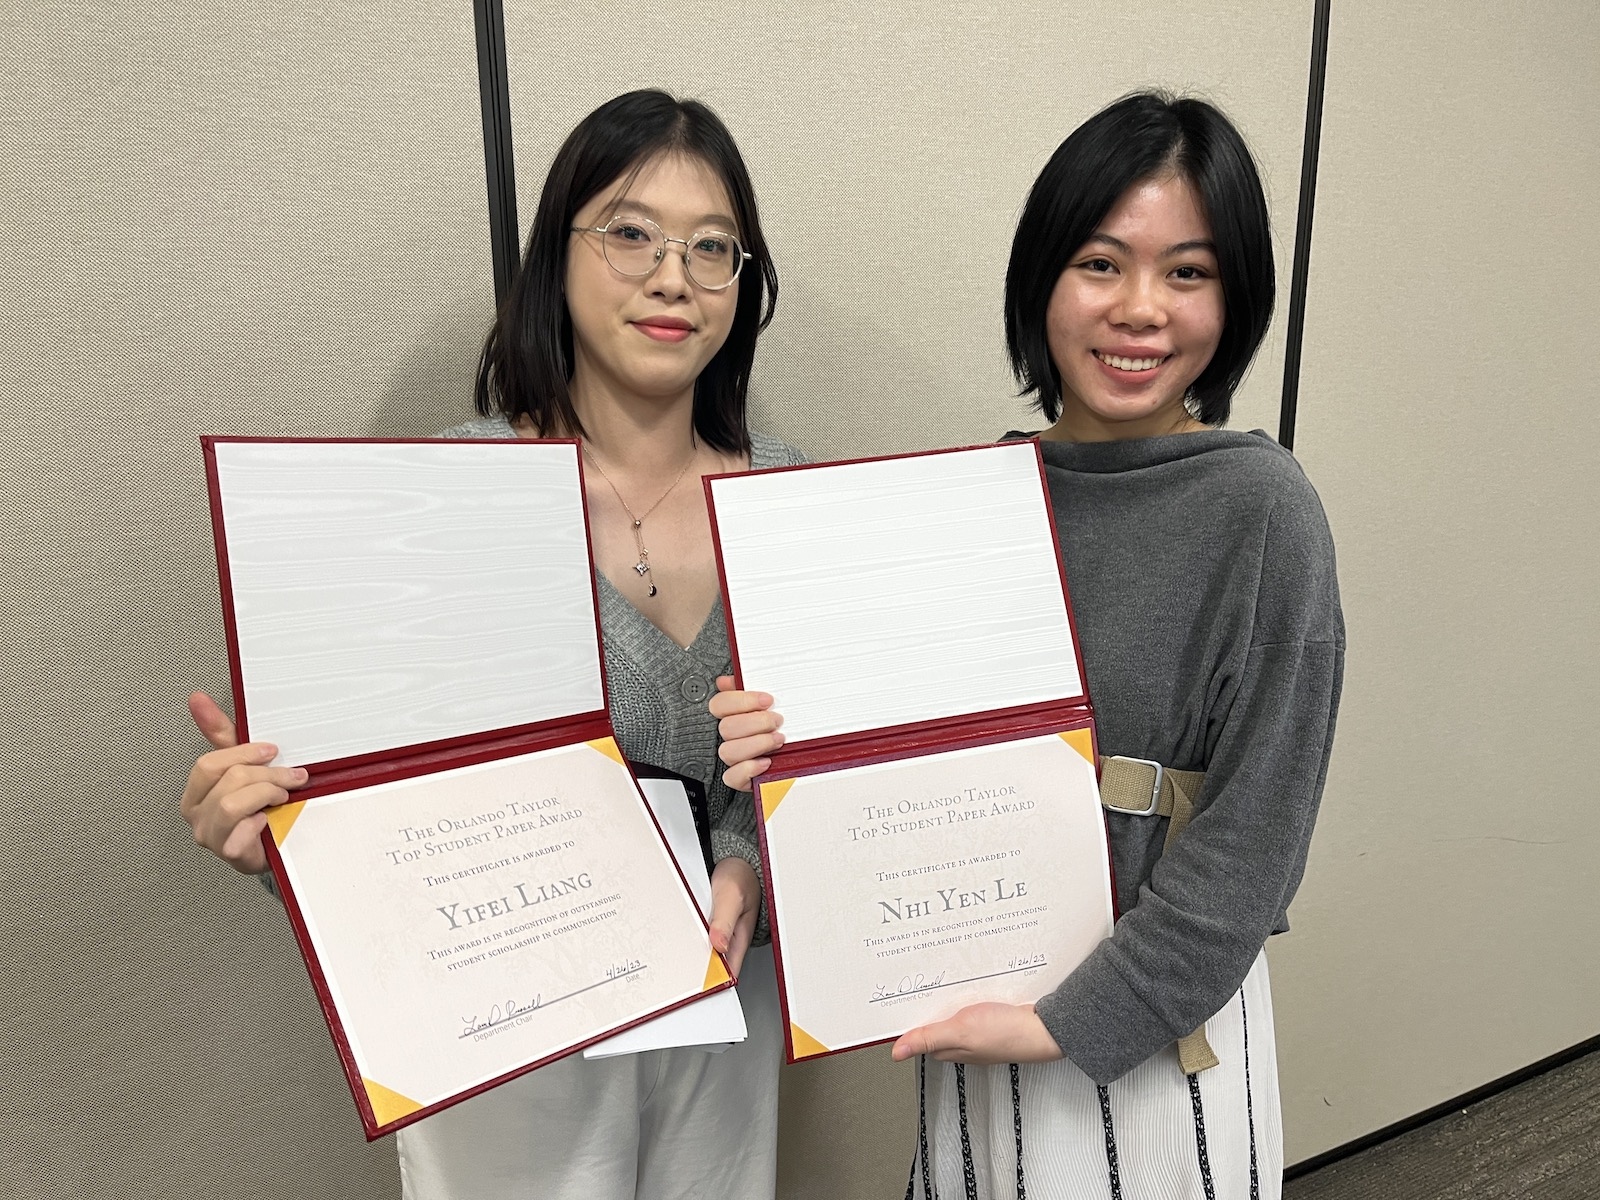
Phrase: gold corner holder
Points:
(805, 1046)
(772, 795)
(387, 1106)
(1080, 740)
(282, 818)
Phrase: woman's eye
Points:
(712, 247)
(1099, 264)
(1190, 274)
(630, 233)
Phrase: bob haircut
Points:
(526, 365)
(1143, 136)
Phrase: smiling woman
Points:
(1202, 578)
(1141, 278)
(631, 326)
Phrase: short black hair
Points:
(1143, 136)
(527, 360)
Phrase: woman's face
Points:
(1136, 316)
(648, 336)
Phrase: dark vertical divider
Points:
(494, 89)
(1302, 233)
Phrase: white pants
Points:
(1155, 1132)
(663, 1125)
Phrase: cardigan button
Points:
(694, 689)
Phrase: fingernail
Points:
(763, 698)
(266, 750)
(777, 739)
(300, 775)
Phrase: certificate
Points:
(931, 828)
(470, 924)
(472, 872)
(905, 890)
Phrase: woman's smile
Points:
(1130, 363)
(664, 329)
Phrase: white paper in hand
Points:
(712, 1024)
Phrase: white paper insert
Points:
(899, 590)
(717, 1021)
(385, 594)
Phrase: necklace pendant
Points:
(652, 589)
(637, 522)
(642, 567)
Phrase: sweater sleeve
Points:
(1212, 900)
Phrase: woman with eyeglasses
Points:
(1202, 577)
(632, 325)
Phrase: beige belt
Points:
(1143, 788)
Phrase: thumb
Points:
(922, 1040)
(724, 915)
(210, 720)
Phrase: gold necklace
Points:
(643, 565)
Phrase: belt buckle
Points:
(1155, 792)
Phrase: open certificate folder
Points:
(475, 880)
(931, 828)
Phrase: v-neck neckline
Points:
(613, 599)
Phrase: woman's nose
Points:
(1139, 303)
(671, 276)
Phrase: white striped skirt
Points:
(1045, 1131)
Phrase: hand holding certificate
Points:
(931, 827)
(475, 880)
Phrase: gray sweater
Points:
(658, 690)
(1201, 571)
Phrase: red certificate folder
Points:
(906, 612)
(415, 623)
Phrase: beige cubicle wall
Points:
(273, 219)
(261, 218)
(1446, 935)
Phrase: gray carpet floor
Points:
(1540, 1139)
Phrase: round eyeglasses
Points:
(635, 246)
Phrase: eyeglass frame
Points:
(738, 263)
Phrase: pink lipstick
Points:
(664, 329)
